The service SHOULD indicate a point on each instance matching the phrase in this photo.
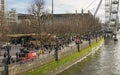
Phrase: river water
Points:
(105, 61)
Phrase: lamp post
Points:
(52, 23)
(77, 43)
(78, 46)
(7, 59)
(96, 35)
(89, 38)
(56, 50)
(56, 46)
(52, 7)
(77, 25)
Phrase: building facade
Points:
(74, 22)
(12, 17)
(3, 13)
(26, 19)
(3, 6)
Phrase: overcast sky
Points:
(60, 6)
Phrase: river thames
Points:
(105, 61)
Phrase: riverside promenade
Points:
(46, 58)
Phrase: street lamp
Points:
(78, 46)
(56, 46)
(7, 58)
(77, 43)
(89, 38)
(96, 35)
(52, 6)
(56, 50)
(52, 17)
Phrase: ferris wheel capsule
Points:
(115, 2)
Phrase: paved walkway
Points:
(72, 46)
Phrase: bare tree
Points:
(3, 27)
(36, 9)
(2, 22)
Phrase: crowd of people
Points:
(58, 43)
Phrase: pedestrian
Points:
(5, 55)
(17, 56)
(12, 60)
(49, 51)
(38, 55)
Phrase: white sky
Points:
(69, 6)
(62, 6)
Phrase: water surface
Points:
(105, 62)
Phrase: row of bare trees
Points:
(64, 25)
(4, 29)
(77, 24)
(67, 23)
(2, 22)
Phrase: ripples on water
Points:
(105, 62)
